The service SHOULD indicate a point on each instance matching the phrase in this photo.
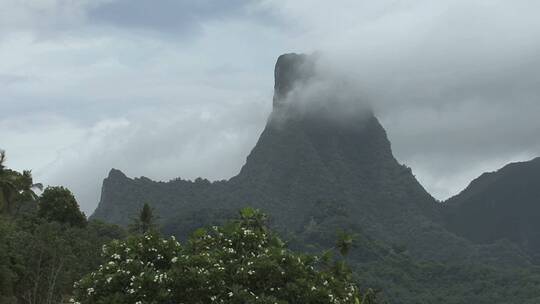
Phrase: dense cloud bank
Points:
(183, 88)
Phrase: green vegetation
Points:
(315, 178)
(145, 222)
(46, 247)
(45, 241)
(58, 204)
(240, 262)
(500, 205)
(394, 242)
(15, 188)
(40, 260)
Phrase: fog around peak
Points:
(89, 85)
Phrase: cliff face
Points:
(304, 162)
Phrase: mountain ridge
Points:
(503, 204)
(304, 159)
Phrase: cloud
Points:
(304, 87)
(176, 16)
(455, 83)
(158, 142)
(182, 88)
(147, 106)
(167, 19)
(8, 79)
(45, 17)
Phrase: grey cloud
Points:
(159, 143)
(168, 16)
(455, 83)
(7, 79)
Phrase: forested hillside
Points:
(304, 157)
(500, 205)
(316, 175)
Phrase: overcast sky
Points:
(176, 88)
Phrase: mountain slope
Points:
(314, 151)
(500, 205)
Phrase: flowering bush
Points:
(240, 262)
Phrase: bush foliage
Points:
(239, 262)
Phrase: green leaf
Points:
(248, 212)
(199, 233)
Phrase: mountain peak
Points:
(116, 174)
(322, 152)
(290, 69)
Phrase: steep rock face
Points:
(302, 161)
(500, 205)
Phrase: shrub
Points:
(239, 262)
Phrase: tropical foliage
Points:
(240, 262)
(45, 241)
(58, 204)
(15, 188)
(145, 221)
(46, 244)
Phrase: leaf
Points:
(199, 233)
(344, 243)
(248, 212)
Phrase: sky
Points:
(177, 88)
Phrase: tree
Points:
(2, 160)
(239, 262)
(145, 222)
(15, 188)
(58, 204)
(8, 275)
(40, 260)
(7, 185)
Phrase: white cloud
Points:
(454, 82)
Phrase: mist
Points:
(454, 83)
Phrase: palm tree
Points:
(7, 185)
(2, 159)
(26, 186)
(15, 187)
